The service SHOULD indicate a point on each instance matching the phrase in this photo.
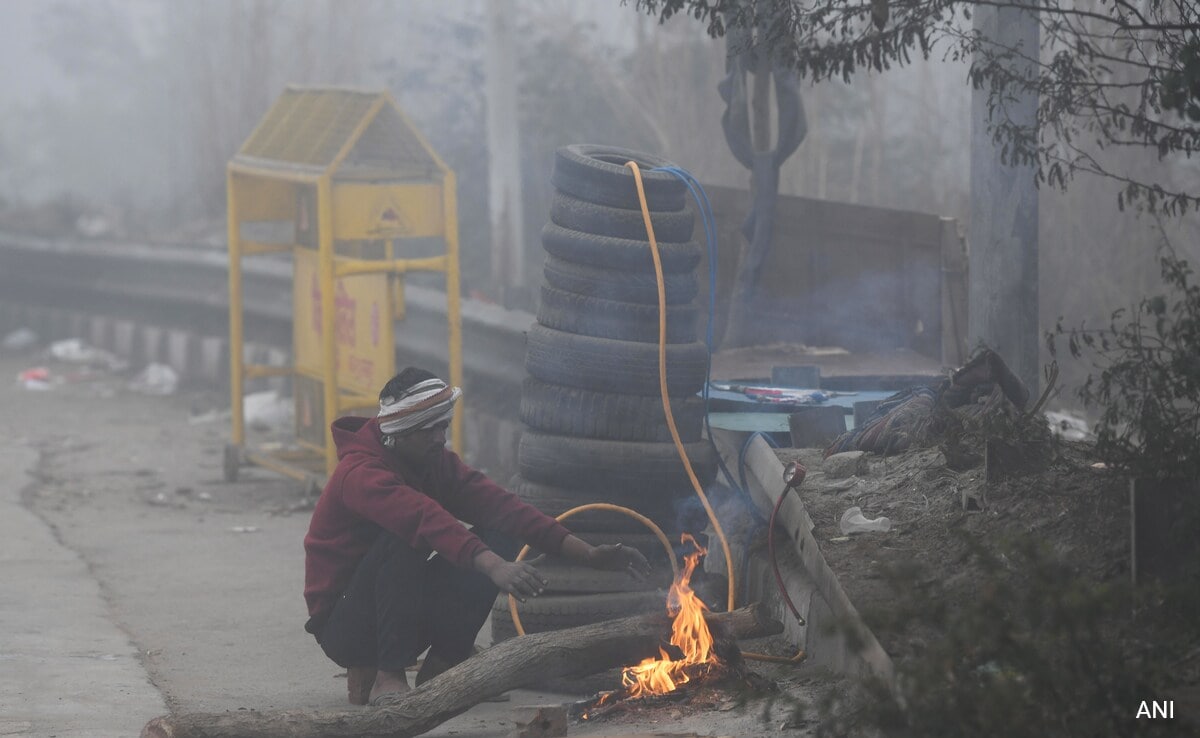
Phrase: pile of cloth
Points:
(911, 417)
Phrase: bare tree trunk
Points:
(930, 141)
(856, 163)
(761, 102)
(1003, 309)
(509, 665)
(750, 253)
(818, 142)
(878, 104)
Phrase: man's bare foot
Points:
(358, 684)
(388, 685)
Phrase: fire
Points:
(689, 633)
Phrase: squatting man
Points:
(389, 568)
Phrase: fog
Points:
(130, 109)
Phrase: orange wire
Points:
(658, 533)
(662, 379)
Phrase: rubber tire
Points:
(566, 577)
(570, 411)
(624, 321)
(555, 612)
(608, 365)
(646, 542)
(614, 284)
(597, 174)
(580, 215)
(555, 500)
(599, 466)
(625, 254)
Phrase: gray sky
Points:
(25, 72)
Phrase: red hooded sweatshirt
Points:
(372, 489)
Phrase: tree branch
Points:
(511, 664)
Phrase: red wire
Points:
(771, 551)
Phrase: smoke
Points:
(129, 110)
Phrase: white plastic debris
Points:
(1069, 426)
(75, 351)
(19, 340)
(262, 409)
(853, 521)
(269, 409)
(155, 379)
(93, 226)
(209, 416)
(244, 529)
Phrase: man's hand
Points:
(516, 578)
(610, 557)
(619, 558)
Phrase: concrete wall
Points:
(811, 584)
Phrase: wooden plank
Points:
(923, 298)
(954, 295)
(856, 276)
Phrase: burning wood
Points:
(689, 634)
(698, 654)
(724, 684)
(585, 649)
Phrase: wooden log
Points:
(508, 665)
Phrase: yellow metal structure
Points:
(360, 195)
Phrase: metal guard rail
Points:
(194, 280)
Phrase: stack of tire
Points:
(595, 430)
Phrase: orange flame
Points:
(689, 633)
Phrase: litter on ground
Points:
(19, 340)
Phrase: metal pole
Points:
(453, 308)
(505, 204)
(236, 368)
(328, 314)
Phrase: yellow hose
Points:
(666, 402)
(662, 380)
(658, 533)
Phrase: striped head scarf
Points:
(421, 406)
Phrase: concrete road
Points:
(136, 581)
(68, 668)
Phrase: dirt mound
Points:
(937, 513)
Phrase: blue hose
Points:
(710, 237)
(710, 233)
